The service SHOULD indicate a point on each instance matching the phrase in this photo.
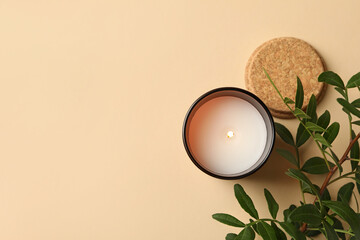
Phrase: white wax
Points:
(227, 135)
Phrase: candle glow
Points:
(230, 134)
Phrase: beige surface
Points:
(92, 99)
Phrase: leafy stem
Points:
(262, 220)
(341, 177)
(336, 230)
(349, 115)
(298, 118)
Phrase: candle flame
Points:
(230, 134)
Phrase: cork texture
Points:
(284, 59)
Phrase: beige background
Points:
(92, 99)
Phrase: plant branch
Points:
(301, 122)
(331, 173)
(342, 176)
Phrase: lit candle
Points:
(228, 133)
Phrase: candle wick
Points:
(230, 134)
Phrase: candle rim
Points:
(195, 104)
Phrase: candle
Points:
(228, 133)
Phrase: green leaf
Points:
(321, 139)
(326, 195)
(344, 211)
(332, 79)
(348, 113)
(300, 113)
(307, 189)
(324, 120)
(311, 109)
(245, 201)
(266, 231)
(312, 233)
(330, 232)
(357, 176)
(349, 107)
(299, 98)
(314, 127)
(288, 101)
(345, 192)
(336, 160)
(288, 156)
(231, 236)
(316, 165)
(356, 103)
(288, 211)
(307, 213)
(284, 134)
(354, 81)
(292, 231)
(228, 219)
(272, 204)
(254, 226)
(354, 152)
(357, 180)
(246, 234)
(331, 132)
(341, 91)
(338, 225)
(280, 235)
(301, 135)
(294, 173)
(356, 123)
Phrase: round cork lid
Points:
(284, 59)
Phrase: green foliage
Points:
(228, 219)
(266, 231)
(330, 232)
(231, 236)
(308, 220)
(345, 192)
(354, 81)
(331, 78)
(311, 109)
(307, 213)
(354, 152)
(272, 204)
(301, 135)
(284, 134)
(331, 132)
(324, 120)
(280, 235)
(344, 211)
(288, 156)
(246, 234)
(316, 165)
(245, 201)
(292, 231)
(349, 107)
(299, 97)
(314, 127)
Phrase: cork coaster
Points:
(284, 59)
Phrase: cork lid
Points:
(284, 59)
